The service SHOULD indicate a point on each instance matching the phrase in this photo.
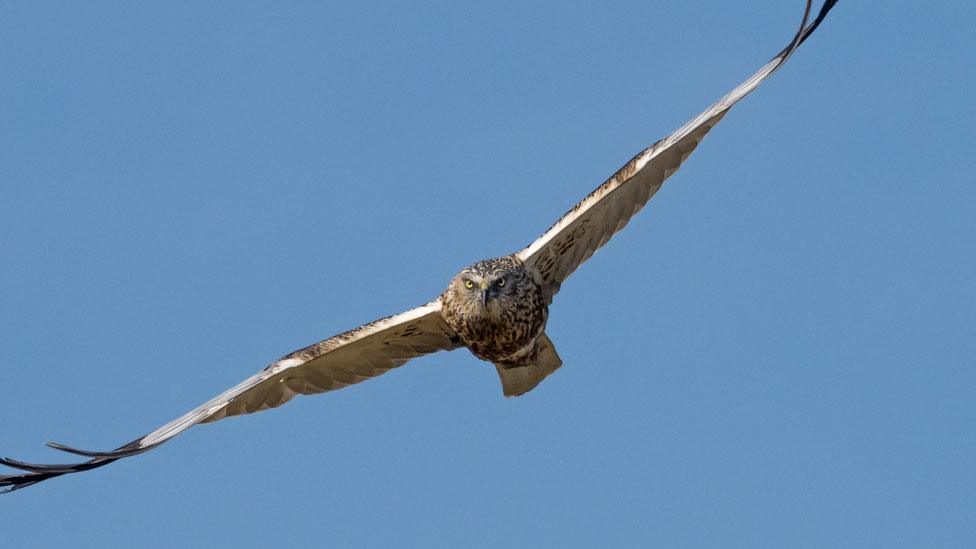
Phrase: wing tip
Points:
(39, 472)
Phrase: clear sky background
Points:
(778, 351)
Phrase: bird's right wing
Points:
(341, 360)
(606, 210)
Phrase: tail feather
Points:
(518, 379)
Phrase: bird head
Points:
(488, 287)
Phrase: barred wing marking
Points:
(608, 209)
(341, 360)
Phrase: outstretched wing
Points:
(606, 210)
(341, 360)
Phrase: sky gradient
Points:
(778, 351)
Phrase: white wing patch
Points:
(289, 362)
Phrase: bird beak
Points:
(484, 293)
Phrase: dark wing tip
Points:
(128, 450)
(827, 6)
(37, 472)
(806, 30)
(38, 467)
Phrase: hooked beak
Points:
(484, 293)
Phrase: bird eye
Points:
(501, 282)
(468, 284)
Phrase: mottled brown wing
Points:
(341, 360)
(606, 210)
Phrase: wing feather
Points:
(341, 360)
(594, 220)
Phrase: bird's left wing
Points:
(341, 360)
(606, 210)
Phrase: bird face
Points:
(488, 287)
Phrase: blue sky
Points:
(778, 351)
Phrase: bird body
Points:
(497, 308)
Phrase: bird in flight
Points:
(497, 308)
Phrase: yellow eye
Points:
(501, 282)
(468, 284)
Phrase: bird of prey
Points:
(497, 308)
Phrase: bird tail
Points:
(520, 378)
